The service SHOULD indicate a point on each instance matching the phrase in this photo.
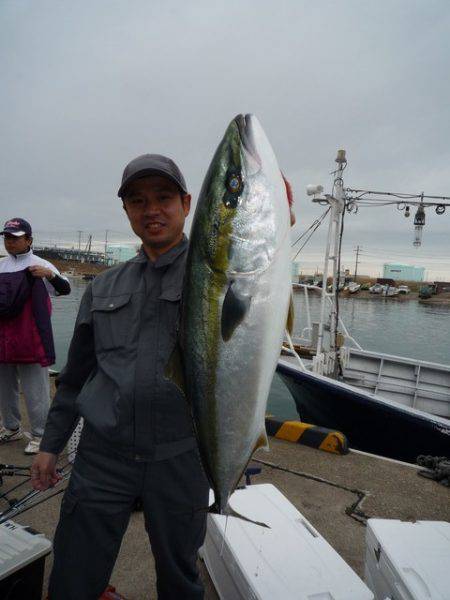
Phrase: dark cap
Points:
(151, 164)
(17, 227)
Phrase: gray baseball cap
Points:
(151, 164)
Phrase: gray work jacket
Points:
(114, 377)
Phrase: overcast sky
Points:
(88, 86)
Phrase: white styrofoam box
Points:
(291, 560)
(408, 561)
(19, 547)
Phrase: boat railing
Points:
(306, 333)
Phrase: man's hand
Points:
(38, 271)
(290, 199)
(43, 471)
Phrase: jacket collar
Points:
(23, 256)
(165, 259)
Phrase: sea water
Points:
(407, 328)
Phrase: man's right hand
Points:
(43, 471)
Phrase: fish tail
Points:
(230, 512)
(224, 536)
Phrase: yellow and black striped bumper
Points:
(309, 435)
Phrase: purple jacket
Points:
(25, 327)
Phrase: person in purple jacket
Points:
(26, 339)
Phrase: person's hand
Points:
(39, 271)
(43, 471)
(290, 199)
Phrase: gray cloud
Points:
(86, 87)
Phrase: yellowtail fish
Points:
(236, 297)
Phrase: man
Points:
(26, 340)
(137, 441)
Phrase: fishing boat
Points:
(387, 405)
(377, 288)
(390, 290)
(372, 421)
(353, 287)
(384, 290)
(403, 289)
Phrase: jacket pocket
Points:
(112, 316)
(170, 304)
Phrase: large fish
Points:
(236, 297)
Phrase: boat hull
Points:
(371, 424)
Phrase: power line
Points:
(317, 223)
(411, 198)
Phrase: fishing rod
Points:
(34, 497)
(14, 471)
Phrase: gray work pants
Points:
(36, 390)
(96, 509)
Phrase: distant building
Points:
(83, 256)
(118, 254)
(295, 270)
(402, 272)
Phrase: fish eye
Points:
(234, 184)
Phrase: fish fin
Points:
(291, 316)
(174, 370)
(230, 512)
(262, 441)
(235, 307)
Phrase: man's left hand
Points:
(38, 271)
(290, 199)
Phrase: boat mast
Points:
(337, 204)
(328, 351)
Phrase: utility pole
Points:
(106, 245)
(79, 239)
(358, 249)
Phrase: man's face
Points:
(157, 211)
(16, 244)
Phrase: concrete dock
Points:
(324, 487)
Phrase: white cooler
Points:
(22, 557)
(291, 560)
(408, 561)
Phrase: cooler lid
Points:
(19, 547)
(419, 553)
(291, 560)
